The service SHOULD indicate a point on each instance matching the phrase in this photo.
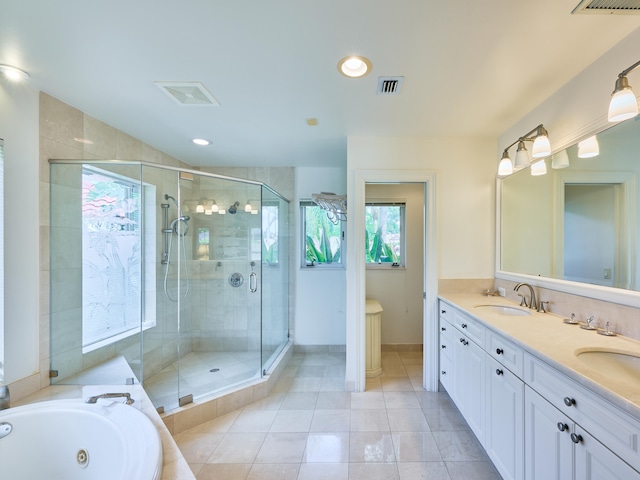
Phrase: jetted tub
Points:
(72, 440)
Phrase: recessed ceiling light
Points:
(354, 66)
(13, 73)
(201, 141)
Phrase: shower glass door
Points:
(216, 271)
(275, 275)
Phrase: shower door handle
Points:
(253, 282)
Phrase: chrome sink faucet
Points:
(532, 296)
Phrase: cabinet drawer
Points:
(446, 339)
(617, 430)
(470, 328)
(446, 311)
(506, 352)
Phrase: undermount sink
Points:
(620, 364)
(505, 310)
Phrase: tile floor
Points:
(308, 428)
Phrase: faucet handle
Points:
(541, 308)
(523, 300)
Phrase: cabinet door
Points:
(469, 383)
(594, 461)
(504, 420)
(548, 446)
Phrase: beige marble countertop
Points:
(174, 466)
(547, 337)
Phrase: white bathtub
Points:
(72, 440)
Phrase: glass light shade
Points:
(254, 212)
(623, 105)
(588, 148)
(203, 142)
(505, 168)
(222, 211)
(522, 156)
(560, 160)
(247, 207)
(214, 208)
(199, 208)
(539, 168)
(207, 212)
(541, 147)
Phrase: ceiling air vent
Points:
(608, 7)
(192, 94)
(389, 85)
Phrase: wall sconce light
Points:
(588, 148)
(203, 206)
(539, 168)
(623, 104)
(560, 160)
(247, 207)
(541, 149)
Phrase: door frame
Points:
(355, 379)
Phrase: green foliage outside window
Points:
(323, 243)
(383, 233)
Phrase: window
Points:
(384, 236)
(111, 259)
(322, 240)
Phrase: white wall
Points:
(320, 294)
(399, 290)
(19, 126)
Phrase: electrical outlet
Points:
(502, 291)
(607, 273)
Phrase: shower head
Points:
(234, 208)
(169, 197)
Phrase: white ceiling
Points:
(471, 68)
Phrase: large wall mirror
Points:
(576, 224)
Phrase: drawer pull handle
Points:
(562, 426)
(568, 401)
(443, 312)
(575, 438)
(461, 340)
(444, 329)
(499, 372)
(464, 325)
(443, 346)
(499, 351)
(443, 372)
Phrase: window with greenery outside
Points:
(383, 234)
(323, 239)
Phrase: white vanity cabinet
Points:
(559, 449)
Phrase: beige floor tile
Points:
(278, 471)
(331, 421)
(407, 420)
(368, 447)
(475, 470)
(459, 446)
(292, 421)
(226, 471)
(324, 471)
(367, 400)
(237, 448)
(369, 421)
(254, 421)
(424, 471)
(373, 471)
(300, 401)
(401, 400)
(198, 447)
(282, 448)
(333, 401)
(327, 448)
(415, 447)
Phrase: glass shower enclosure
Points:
(172, 278)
